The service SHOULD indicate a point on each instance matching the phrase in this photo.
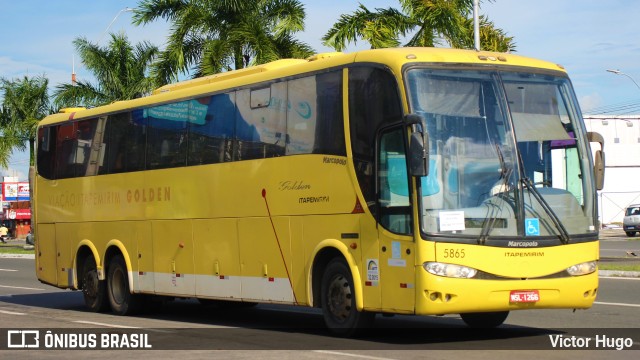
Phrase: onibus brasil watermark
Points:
(40, 339)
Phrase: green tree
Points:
(120, 70)
(429, 22)
(25, 103)
(210, 36)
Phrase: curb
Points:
(17, 256)
(619, 273)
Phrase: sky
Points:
(587, 37)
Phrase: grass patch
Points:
(14, 249)
(619, 267)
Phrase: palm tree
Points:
(428, 21)
(210, 36)
(25, 103)
(120, 69)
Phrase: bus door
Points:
(397, 272)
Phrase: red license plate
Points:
(528, 296)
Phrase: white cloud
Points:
(591, 101)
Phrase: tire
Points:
(339, 303)
(122, 301)
(485, 319)
(630, 233)
(94, 290)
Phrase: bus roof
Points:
(395, 58)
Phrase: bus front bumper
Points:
(439, 295)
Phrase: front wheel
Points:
(630, 233)
(485, 319)
(122, 301)
(339, 302)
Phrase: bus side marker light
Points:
(353, 246)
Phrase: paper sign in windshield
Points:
(451, 220)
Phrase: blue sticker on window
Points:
(532, 227)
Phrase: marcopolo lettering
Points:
(523, 244)
(333, 160)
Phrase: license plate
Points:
(529, 296)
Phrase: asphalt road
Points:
(286, 332)
(615, 246)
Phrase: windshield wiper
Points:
(492, 214)
(564, 234)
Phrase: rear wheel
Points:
(93, 289)
(485, 319)
(122, 301)
(339, 302)
(630, 233)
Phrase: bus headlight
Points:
(449, 270)
(582, 269)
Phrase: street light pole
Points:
(476, 24)
(127, 9)
(618, 72)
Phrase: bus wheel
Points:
(338, 301)
(93, 289)
(485, 319)
(122, 301)
(630, 233)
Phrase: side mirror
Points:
(598, 160)
(418, 146)
(598, 169)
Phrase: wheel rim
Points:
(117, 286)
(339, 298)
(90, 284)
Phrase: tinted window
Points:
(47, 151)
(126, 142)
(65, 151)
(373, 102)
(261, 123)
(210, 139)
(167, 127)
(314, 117)
(299, 116)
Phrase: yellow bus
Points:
(401, 181)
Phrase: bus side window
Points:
(167, 127)
(314, 116)
(125, 142)
(374, 101)
(393, 182)
(47, 151)
(261, 123)
(208, 139)
(65, 151)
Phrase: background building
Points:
(622, 159)
(16, 207)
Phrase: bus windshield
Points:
(507, 156)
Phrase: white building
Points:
(622, 159)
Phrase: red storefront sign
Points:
(17, 214)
